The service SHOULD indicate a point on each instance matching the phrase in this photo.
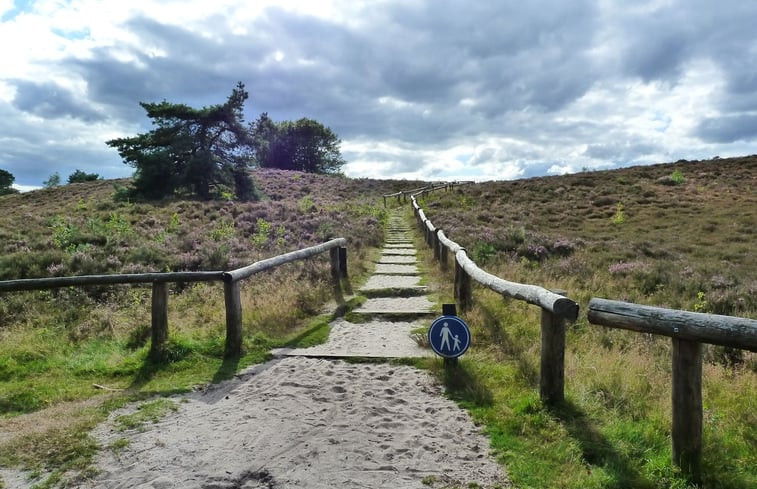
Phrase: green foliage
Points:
(677, 177)
(6, 182)
(306, 204)
(223, 231)
(149, 412)
(122, 193)
(303, 145)
(191, 149)
(260, 238)
(482, 252)
(53, 181)
(117, 226)
(64, 235)
(79, 176)
(701, 304)
(174, 224)
(619, 217)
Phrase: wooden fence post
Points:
(552, 370)
(436, 244)
(159, 319)
(233, 300)
(384, 201)
(687, 405)
(343, 262)
(443, 259)
(336, 273)
(463, 293)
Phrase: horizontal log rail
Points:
(159, 307)
(403, 194)
(532, 294)
(117, 279)
(267, 264)
(688, 331)
(556, 309)
(734, 332)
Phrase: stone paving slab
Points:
(375, 339)
(397, 260)
(382, 268)
(399, 251)
(397, 305)
(407, 246)
(379, 282)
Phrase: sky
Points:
(415, 89)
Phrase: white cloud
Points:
(416, 89)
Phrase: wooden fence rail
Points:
(688, 331)
(232, 295)
(556, 308)
(159, 306)
(403, 194)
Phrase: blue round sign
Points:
(449, 336)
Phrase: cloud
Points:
(728, 129)
(51, 101)
(419, 89)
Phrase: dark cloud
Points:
(52, 101)
(728, 129)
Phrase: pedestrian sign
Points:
(449, 336)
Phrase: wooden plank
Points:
(692, 326)
(687, 405)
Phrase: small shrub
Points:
(482, 252)
(224, 230)
(262, 234)
(677, 177)
(619, 217)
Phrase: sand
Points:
(306, 422)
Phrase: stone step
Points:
(394, 269)
(397, 306)
(397, 260)
(393, 282)
(398, 252)
(374, 339)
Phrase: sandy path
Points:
(307, 422)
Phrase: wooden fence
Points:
(688, 331)
(556, 309)
(402, 195)
(231, 280)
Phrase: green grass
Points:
(679, 246)
(148, 412)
